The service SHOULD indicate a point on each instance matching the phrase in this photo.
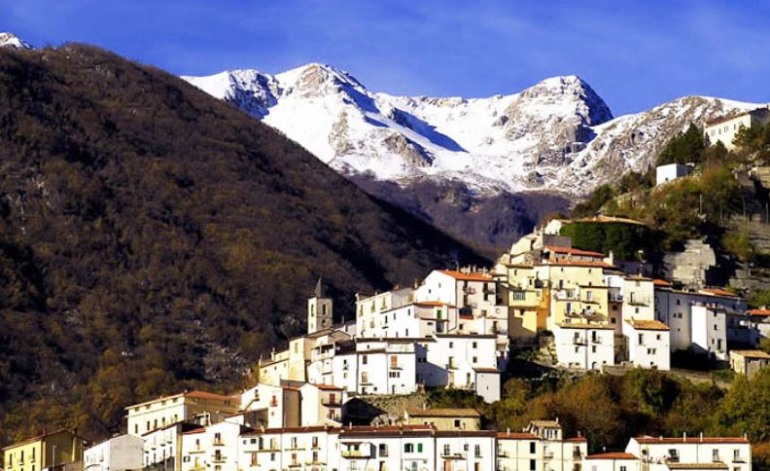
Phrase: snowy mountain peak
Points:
(13, 41)
(557, 135)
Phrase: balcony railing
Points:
(354, 454)
(453, 456)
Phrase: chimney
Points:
(684, 436)
(701, 436)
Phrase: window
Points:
(532, 447)
(475, 360)
(531, 465)
(715, 455)
(737, 455)
(419, 448)
(593, 348)
(447, 450)
(475, 344)
(253, 458)
(408, 448)
(477, 451)
(364, 359)
(383, 450)
(622, 468)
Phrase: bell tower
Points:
(319, 310)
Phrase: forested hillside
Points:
(153, 238)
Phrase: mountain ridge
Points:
(533, 140)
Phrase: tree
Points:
(684, 147)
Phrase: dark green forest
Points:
(153, 239)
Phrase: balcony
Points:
(502, 453)
(218, 442)
(636, 301)
(547, 454)
(453, 456)
(469, 290)
(357, 454)
(716, 459)
(451, 366)
(596, 340)
(219, 459)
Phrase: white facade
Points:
(458, 361)
(461, 451)
(638, 298)
(697, 320)
(725, 129)
(121, 453)
(733, 453)
(273, 405)
(611, 462)
(212, 448)
(584, 346)
(670, 172)
(709, 330)
(321, 405)
(411, 448)
(649, 344)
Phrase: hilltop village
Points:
(454, 329)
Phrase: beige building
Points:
(444, 419)
(194, 406)
(57, 451)
(726, 128)
(748, 362)
(541, 447)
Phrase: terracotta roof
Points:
(718, 292)
(759, 312)
(750, 353)
(647, 324)
(571, 251)
(659, 282)
(607, 219)
(443, 413)
(193, 432)
(577, 263)
(576, 439)
(611, 456)
(486, 370)
(42, 437)
(475, 276)
(724, 119)
(652, 440)
(516, 436)
(545, 423)
(696, 465)
(327, 387)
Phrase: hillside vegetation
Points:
(153, 238)
(701, 205)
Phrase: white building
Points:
(698, 320)
(670, 172)
(697, 453)
(584, 346)
(613, 461)
(462, 362)
(310, 448)
(466, 450)
(213, 448)
(649, 344)
(541, 447)
(266, 405)
(410, 448)
(122, 453)
(163, 447)
(321, 404)
(725, 129)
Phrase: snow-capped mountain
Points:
(556, 136)
(13, 41)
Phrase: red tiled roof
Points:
(718, 292)
(659, 282)
(476, 276)
(571, 251)
(759, 312)
(651, 440)
(579, 263)
(327, 387)
(647, 324)
(611, 456)
(516, 436)
(443, 413)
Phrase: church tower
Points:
(319, 310)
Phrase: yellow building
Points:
(194, 406)
(59, 451)
(444, 419)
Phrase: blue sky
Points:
(634, 54)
